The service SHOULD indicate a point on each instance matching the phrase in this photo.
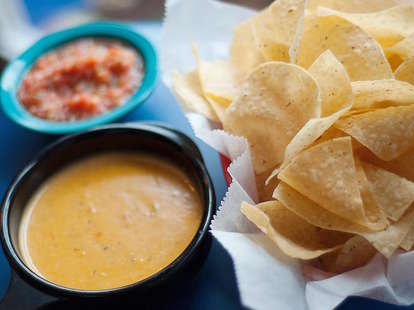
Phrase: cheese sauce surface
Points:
(109, 220)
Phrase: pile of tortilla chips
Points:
(323, 90)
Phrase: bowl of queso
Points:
(79, 78)
(116, 209)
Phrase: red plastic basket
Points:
(225, 163)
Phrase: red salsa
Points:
(81, 79)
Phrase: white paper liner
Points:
(266, 278)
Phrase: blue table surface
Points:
(215, 286)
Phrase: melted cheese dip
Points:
(109, 220)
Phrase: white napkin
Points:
(266, 278)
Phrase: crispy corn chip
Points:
(405, 72)
(333, 81)
(266, 36)
(218, 85)
(393, 193)
(276, 100)
(388, 133)
(314, 213)
(382, 94)
(402, 165)
(217, 79)
(326, 174)
(388, 240)
(375, 215)
(309, 133)
(353, 6)
(294, 236)
(360, 54)
(265, 189)
(408, 241)
(385, 241)
(331, 133)
(355, 253)
(401, 51)
(187, 88)
(388, 27)
(376, 219)
(276, 30)
(244, 50)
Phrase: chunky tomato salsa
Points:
(81, 79)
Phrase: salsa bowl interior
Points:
(149, 139)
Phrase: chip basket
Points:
(225, 163)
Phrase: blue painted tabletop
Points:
(215, 286)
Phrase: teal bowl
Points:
(16, 69)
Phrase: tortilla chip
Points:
(408, 241)
(336, 133)
(331, 133)
(388, 240)
(244, 50)
(219, 109)
(313, 213)
(333, 81)
(276, 28)
(326, 174)
(394, 61)
(356, 112)
(360, 54)
(294, 236)
(187, 88)
(393, 193)
(405, 72)
(401, 51)
(309, 133)
(382, 94)
(375, 215)
(356, 252)
(265, 189)
(385, 241)
(217, 81)
(266, 36)
(353, 6)
(402, 165)
(276, 100)
(294, 45)
(388, 132)
(388, 27)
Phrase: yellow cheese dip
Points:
(109, 220)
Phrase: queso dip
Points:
(109, 220)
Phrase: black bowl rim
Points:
(163, 131)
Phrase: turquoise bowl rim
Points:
(15, 70)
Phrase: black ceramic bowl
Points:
(156, 139)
